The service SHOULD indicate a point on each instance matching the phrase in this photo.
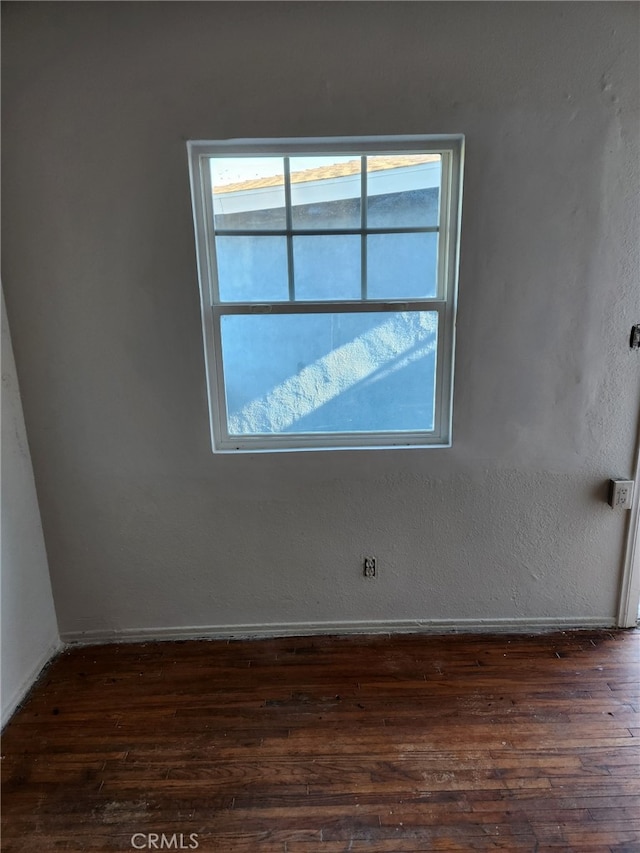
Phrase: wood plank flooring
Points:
(329, 744)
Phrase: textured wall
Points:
(145, 528)
(29, 629)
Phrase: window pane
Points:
(327, 267)
(403, 190)
(324, 373)
(252, 269)
(248, 193)
(402, 266)
(325, 192)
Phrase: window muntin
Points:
(300, 240)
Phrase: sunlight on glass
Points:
(252, 269)
(248, 193)
(325, 192)
(402, 266)
(342, 372)
(327, 266)
(403, 190)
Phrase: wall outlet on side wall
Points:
(620, 494)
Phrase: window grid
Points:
(289, 232)
(363, 225)
(288, 212)
(310, 232)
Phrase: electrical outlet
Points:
(370, 568)
(620, 494)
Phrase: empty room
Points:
(320, 426)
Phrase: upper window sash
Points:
(448, 149)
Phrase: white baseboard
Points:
(301, 629)
(16, 697)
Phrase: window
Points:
(328, 273)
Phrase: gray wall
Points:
(146, 530)
(29, 629)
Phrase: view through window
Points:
(327, 274)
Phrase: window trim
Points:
(451, 149)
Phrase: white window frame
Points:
(451, 149)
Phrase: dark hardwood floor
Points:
(330, 744)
